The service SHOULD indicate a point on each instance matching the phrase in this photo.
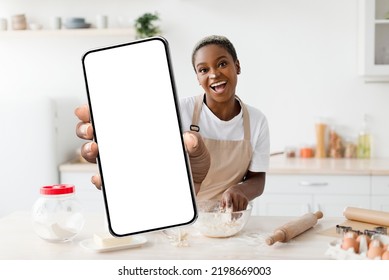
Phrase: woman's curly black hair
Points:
(219, 40)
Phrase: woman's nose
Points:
(213, 74)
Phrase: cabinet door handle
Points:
(313, 184)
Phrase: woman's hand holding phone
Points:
(198, 154)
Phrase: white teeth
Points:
(218, 84)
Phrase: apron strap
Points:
(197, 110)
(246, 120)
(196, 113)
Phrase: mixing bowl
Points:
(213, 221)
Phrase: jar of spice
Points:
(19, 22)
(306, 152)
(290, 152)
(350, 149)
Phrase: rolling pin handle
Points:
(278, 235)
(319, 214)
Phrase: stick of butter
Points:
(106, 239)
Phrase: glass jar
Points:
(57, 215)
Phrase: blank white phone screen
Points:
(146, 176)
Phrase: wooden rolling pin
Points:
(294, 228)
(367, 216)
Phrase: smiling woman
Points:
(235, 134)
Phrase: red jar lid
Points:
(57, 189)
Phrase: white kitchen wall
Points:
(298, 58)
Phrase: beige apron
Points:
(229, 159)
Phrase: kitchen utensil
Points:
(214, 221)
(367, 216)
(369, 232)
(294, 228)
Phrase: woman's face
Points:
(216, 72)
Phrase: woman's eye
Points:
(222, 64)
(202, 70)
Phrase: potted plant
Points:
(145, 25)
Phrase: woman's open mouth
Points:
(219, 86)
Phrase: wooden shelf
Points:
(71, 32)
(382, 21)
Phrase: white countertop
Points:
(19, 241)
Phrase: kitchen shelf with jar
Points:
(70, 32)
(373, 40)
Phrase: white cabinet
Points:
(380, 193)
(374, 40)
(294, 195)
(270, 204)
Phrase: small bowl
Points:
(75, 20)
(213, 221)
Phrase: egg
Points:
(375, 250)
(363, 241)
(350, 243)
(385, 254)
(351, 234)
(375, 243)
(364, 236)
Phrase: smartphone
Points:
(144, 167)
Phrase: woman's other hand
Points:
(238, 196)
(234, 198)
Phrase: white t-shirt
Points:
(212, 127)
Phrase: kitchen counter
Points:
(282, 165)
(328, 166)
(19, 241)
(77, 166)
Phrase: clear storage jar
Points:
(57, 215)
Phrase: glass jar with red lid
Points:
(57, 214)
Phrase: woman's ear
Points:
(237, 65)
